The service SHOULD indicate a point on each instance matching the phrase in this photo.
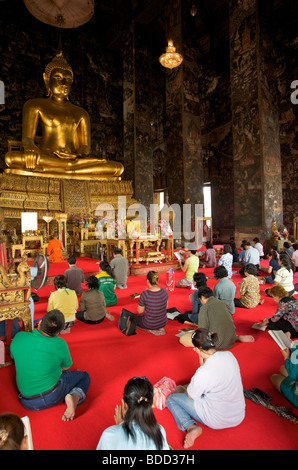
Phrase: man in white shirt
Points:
(258, 246)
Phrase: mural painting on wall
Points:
(191, 75)
(193, 159)
(221, 176)
(159, 168)
(289, 150)
(193, 168)
(279, 70)
(271, 160)
(174, 135)
(288, 71)
(246, 144)
(128, 106)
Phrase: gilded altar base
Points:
(50, 195)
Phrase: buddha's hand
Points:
(65, 154)
(31, 158)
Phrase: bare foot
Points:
(191, 435)
(190, 323)
(71, 401)
(159, 332)
(64, 332)
(245, 338)
(109, 316)
(261, 301)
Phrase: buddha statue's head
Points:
(58, 76)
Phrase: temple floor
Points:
(112, 358)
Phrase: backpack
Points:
(127, 323)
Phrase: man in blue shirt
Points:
(251, 256)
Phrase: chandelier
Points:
(170, 58)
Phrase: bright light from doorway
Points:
(161, 200)
(207, 200)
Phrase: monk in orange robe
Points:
(54, 250)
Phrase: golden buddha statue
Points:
(65, 144)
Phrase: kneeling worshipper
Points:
(286, 316)
(92, 306)
(107, 283)
(54, 250)
(152, 307)
(190, 267)
(65, 300)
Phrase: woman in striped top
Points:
(152, 305)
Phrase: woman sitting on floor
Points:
(136, 426)
(107, 283)
(214, 396)
(225, 289)
(92, 306)
(210, 256)
(286, 316)
(274, 266)
(65, 300)
(249, 289)
(226, 260)
(286, 382)
(153, 306)
(199, 280)
(284, 276)
(235, 253)
(190, 267)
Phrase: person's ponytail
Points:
(138, 395)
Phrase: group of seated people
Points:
(218, 376)
(91, 308)
(214, 396)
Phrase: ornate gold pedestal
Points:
(20, 193)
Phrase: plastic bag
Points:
(162, 389)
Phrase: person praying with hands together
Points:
(136, 427)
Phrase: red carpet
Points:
(112, 358)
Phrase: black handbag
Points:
(127, 323)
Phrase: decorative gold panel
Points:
(21, 192)
(75, 196)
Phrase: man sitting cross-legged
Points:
(42, 360)
(216, 316)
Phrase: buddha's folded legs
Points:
(79, 166)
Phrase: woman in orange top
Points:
(54, 250)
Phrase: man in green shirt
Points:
(42, 360)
